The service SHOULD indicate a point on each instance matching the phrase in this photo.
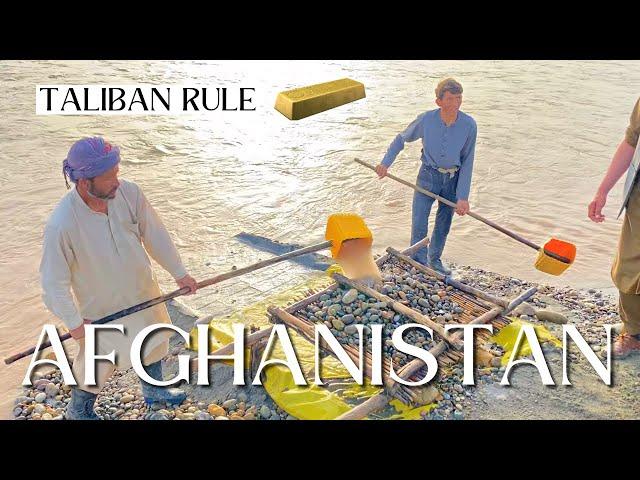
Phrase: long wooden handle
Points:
(183, 291)
(486, 221)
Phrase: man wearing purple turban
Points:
(96, 243)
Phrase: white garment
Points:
(102, 258)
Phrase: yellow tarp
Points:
(311, 402)
(508, 335)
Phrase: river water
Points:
(546, 133)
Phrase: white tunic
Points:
(102, 258)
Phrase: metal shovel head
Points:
(550, 265)
(345, 226)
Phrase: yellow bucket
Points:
(550, 265)
(345, 226)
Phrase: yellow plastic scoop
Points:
(555, 257)
(351, 242)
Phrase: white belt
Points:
(450, 171)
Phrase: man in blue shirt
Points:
(448, 146)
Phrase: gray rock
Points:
(548, 316)
(158, 416)
(41, 384)
(203, 416)
(348, 319)
(525, 309)
(231, 403)
(51, 390)
(41, 397)
(350, 296)
(351, 330)
(435, 298)
(265, 412)
(337, 324)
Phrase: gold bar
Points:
(306, 101)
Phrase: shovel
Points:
(554, 258)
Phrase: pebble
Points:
(525, 309)
(41, 397)
(42, 384)
(158, 416)
(348, 319)
(265, 411)
(230, 403)
(337, 324)
(216, 410)
(548, 316)
(127, 398)
(350, 296)
(51, 390)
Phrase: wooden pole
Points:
(182, 291)
(484, 220)
(398, 307)
(228, 349)
(379, 401)
(448, 280)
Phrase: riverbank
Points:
(527, 398)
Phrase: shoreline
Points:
(588, 309)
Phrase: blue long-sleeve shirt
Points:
(442, 146)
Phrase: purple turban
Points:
(89, 158)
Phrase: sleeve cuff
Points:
(179, 272)
(73, 322)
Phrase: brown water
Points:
(546, 133)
